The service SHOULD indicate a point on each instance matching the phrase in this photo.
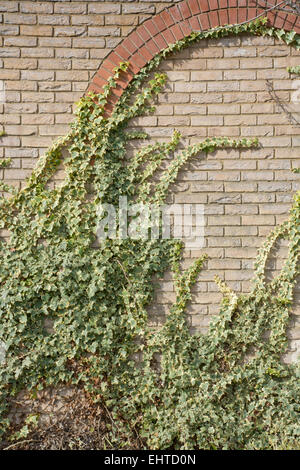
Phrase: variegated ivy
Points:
(204, 394)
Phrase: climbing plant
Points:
(207, 391)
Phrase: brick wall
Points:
(52, 49)
(49, 52)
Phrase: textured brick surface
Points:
(50, 52)
(245, 193)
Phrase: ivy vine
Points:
(207, 392)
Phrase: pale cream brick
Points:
(38, 119)
(173, 121)
(12, 97)
(22, 64)
(233, 41)
(86, 64)
(37, 52)
(37, 75)
(34, 7)
(9, 30)
(258, 197)
(212, 209)
(192, 175)
(273, 119)
(9, 6)
(55, 108)
(35, 30)
(257, 40)
(178, 76)
(223, 131)
(189, 109)
(209, 52)
(63, 118)
(20, 130)
(9, 119)
(241, 231)
(224, 241)
(207, 121)
(55, 86)
(62, 31)
(17, 18)
(191, 87)
(104, 31)
(223, 109)
(274, 186)
(224, 176)
(50, 64)
(206, 98)
(256, 63)
(240, 52)
(70, 75)
(193, 64)
(211, 186)
(165, 110)
(224, 264)
(241, 209)
(12, 108)
(240, 275)
(223, 86)
(276, 141)
(286, 175)
(89, 20)
(10, 52)
(286, 130)
(79, 86)
(224, 220)
(222, 64)
(53, 130)
(253, 85)
(184, 198)
(240, 74)
(257, 175)
(258, 220)
(274, 208)
(240, 186)
(272, 74)
(36, 142)
(10, 141)
(16, 174)
(71, 7)
(206, 76)
(39, 97)
(239, 97)
(263, 97)
(55, 42)
(19, 85)
(121, 20)
(284, 62)
(9, 74)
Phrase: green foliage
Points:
(206, 392)
(5, 162)
(294, 70)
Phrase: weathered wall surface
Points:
(50, 51)
(219, 88)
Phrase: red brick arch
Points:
(173, 24)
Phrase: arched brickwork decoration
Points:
(175, 23)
